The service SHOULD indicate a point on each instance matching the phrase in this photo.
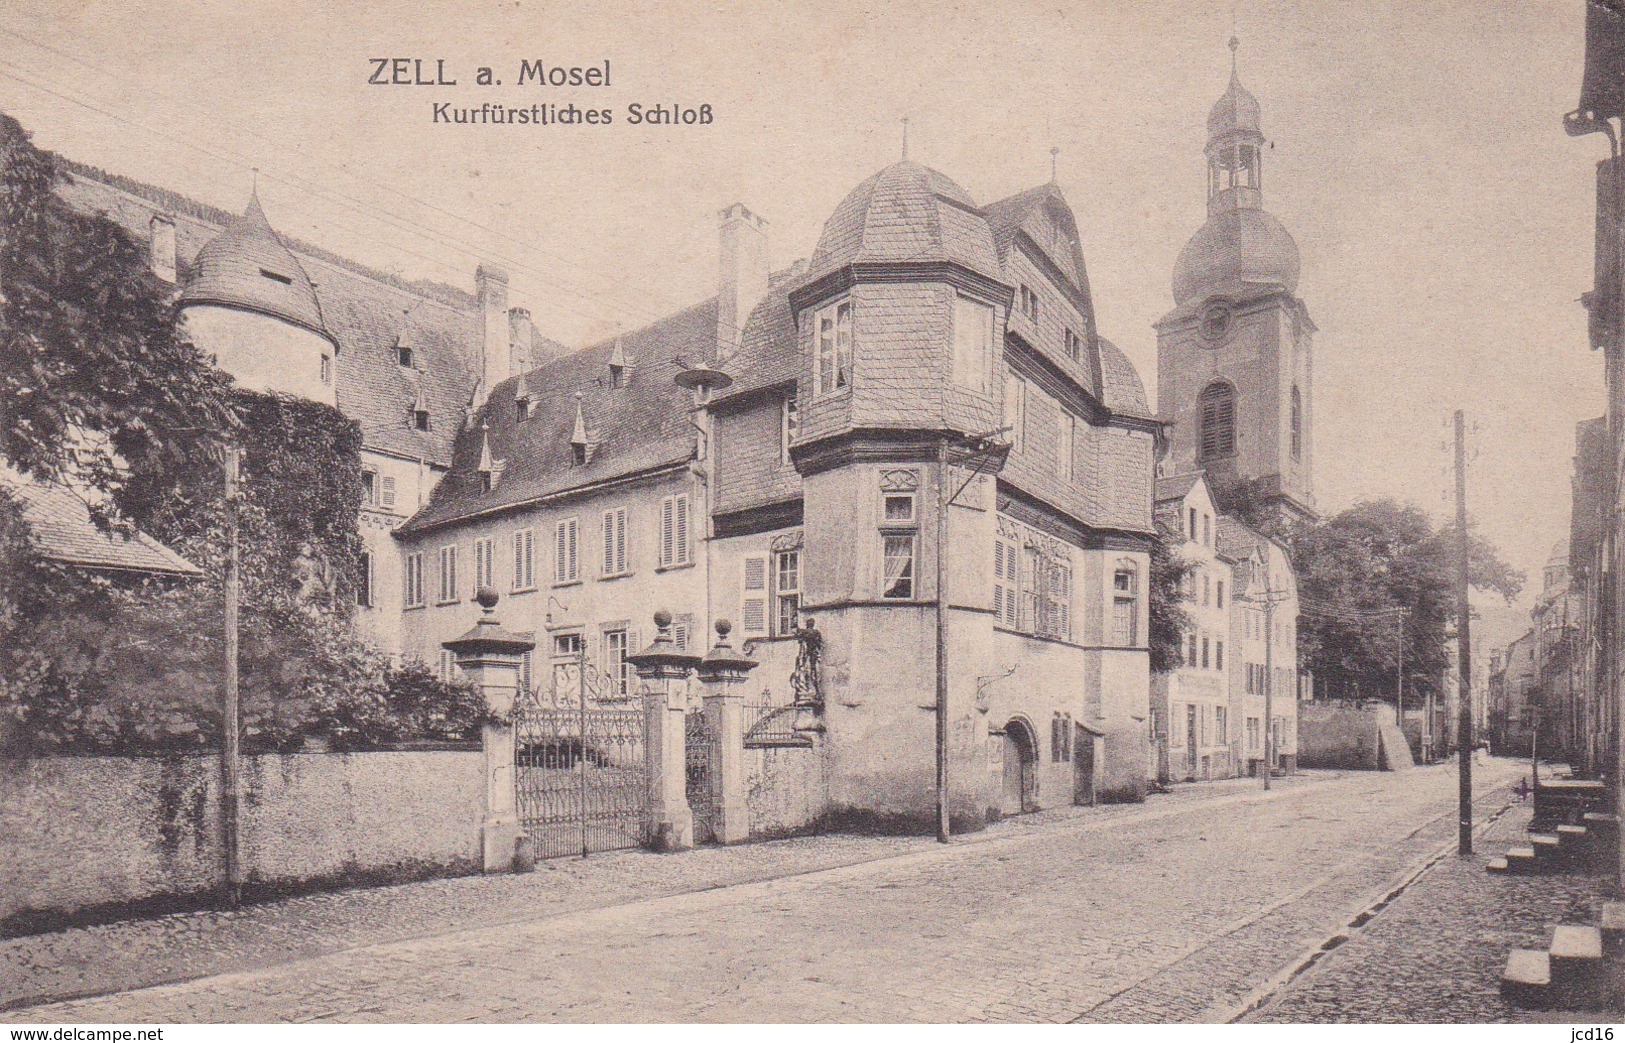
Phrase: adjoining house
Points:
(61, 529)
(1241, 596)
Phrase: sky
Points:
(1417, 155)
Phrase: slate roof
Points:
(364, 310)
(1238, 539)
(1177, 486)
(62, 530)
(906, 212)
(641, 426)
(247, 266)
(768, 353)
(1123, 392)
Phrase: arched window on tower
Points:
(1297, 424)
(1217, 434)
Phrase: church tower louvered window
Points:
(1218, 412)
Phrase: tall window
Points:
(1207, 530)
(898, 549)
(615, 542)
(1218, 597)
(448, 574)
(1058, 601)
(1218, 655)
(973, 343)
(1206, 645)
(674, 541)
(485, 573)
(448, 665)
(616, 669)
(327, 369)
(1005, 584)
(1217, 405)
(833, 328)
(413, 592)
(753, 596)
(369, 488)
(1125, 605)
(789, 426)
(786, 590)
(386, 496)
(566, 567)
(524, 560)
(1074, 344)
(1015, 409)
(1297, 424)
(1191, 532)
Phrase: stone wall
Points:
(1340, 735)
(87, 835)
(785, 790)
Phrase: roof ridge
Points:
(169, 199)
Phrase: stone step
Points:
(1496, 865)
(1575, 955)
(1613, 928)
(1600, 822)
(1522, 861)
(1572, 834)
(1527, 980)
(1546, 845)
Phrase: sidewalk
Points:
(132, 954)
(1436, 953)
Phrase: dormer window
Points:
(276, 277)
(579, 450)
(1074, 345)
(832, 331)
(420, 419)
(1029, 302)
(521, 408)
(403, 355)
(485, 482)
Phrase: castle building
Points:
(918, 426)
(408, 361)
(1235, 356)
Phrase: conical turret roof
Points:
(247, 266)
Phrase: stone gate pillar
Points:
(723, 671)
(490, 657)
(663, 672)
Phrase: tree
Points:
(1169, 620)
(1355, 569)
(97, 389)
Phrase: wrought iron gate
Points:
(581, 776)
(701, 787)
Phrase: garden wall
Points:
(82, 836)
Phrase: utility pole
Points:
(229, 725)
(944, 830)
(1399, 704)
(1269, 686)
(1464, 650)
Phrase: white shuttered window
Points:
(566, 568)
(753, 601)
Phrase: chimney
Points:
(161, 246)
(744, 271)
(492, 283)
(522, 335)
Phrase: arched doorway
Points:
(1020, 764)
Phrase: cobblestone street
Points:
(1176, 910)
(1436, 953)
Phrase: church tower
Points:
(1235, 356)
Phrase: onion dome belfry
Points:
(248, 267)
(1242, 245)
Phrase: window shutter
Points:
(683, 555)
(388, 499)
(620, 539)
(753, 606)
(668, 530)
(575, 562)
(561, 554)
(609, 543)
